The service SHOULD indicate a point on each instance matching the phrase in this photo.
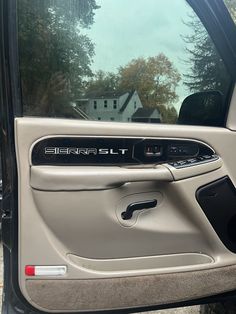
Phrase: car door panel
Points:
(129, 292)
(169, 253)
(118, 231)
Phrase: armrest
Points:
(74, 178)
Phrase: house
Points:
(149, 115)
(110, 106)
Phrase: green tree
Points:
(102, 82)
(55, 55)
(206, 68)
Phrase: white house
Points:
(110, 106)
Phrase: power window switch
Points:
(200, 158)
(182, 162)
(174, 164)
(192, 161)
(206, 157)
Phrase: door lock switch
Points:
(153, 150)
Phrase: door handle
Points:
(137, 206)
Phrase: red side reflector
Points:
(30, 270)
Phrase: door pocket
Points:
(218, 201)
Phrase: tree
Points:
(207, 69)
(231, 5)
(154, 78)
(55, 57)
(168, 114)
(102, 82)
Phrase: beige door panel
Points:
(96, 232)
(78, 214)
(127, 266)
(64, 178)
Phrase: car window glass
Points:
(231, 5)
(119, 61)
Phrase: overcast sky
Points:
(128, 29)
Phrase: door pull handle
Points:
(137, 206)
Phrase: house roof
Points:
(130, 95)
(104, 95)
(109, 95)
(145, 112)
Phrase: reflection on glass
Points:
(126, 60)
(231, 5)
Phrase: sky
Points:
(127, 29)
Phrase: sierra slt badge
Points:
(84, 151)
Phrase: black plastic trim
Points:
(97, 150)
(218, 201)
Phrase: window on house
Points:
(99, 118)
(95, 104)
(63, 61)
(112, 119)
